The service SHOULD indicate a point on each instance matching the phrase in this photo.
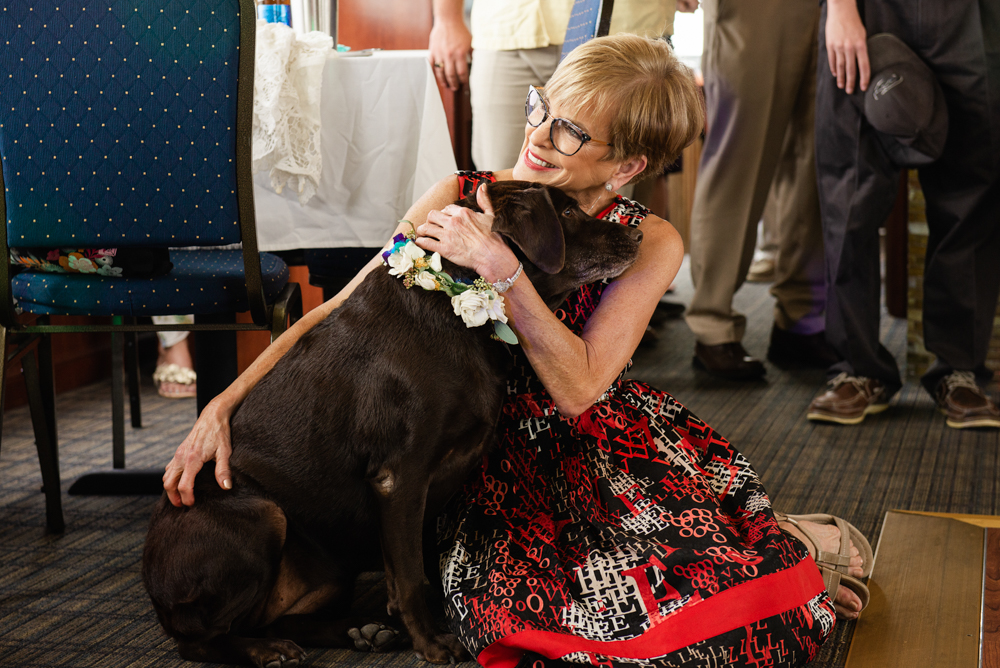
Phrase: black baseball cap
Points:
(905, 103)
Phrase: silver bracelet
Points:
(503, 286)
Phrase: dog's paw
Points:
(373, 637)
(445, 648)
(274, 653)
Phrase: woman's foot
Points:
(174, 376)
(847, 603)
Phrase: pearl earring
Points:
(608, 187)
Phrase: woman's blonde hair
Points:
(652, 102)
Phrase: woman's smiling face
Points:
(581, 175)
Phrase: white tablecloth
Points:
(385, 141)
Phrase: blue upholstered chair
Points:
(126, 124)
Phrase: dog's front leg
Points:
(401, 503)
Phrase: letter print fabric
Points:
(631, 535)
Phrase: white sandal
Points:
(178, 375)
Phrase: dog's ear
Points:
(529, 218)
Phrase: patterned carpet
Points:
(76, 600)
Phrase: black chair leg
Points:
(117, 401)
(132, 376)
(215, 358)
(3, 376)
(119, 480)
(47, 381)
(48, 456)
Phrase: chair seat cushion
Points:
(202, 281)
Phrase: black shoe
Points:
(807, 351)
(649, 337)
(666, 311)
(727, 360)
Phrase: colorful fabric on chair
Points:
(200, 282)
(124, 262)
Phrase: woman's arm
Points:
(209, 438)
(575, 370)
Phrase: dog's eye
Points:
(568, 211)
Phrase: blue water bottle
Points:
(275, 11)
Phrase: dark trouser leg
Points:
(857, 187)
(962, 190)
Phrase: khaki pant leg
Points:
(757, 53)
(799, 287)
(767, 241)
(498, 85)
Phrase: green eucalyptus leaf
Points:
(505, 332)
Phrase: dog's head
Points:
(561, 247)
(197, 585)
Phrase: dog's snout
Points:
(636, 234)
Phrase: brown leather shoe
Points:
(964, 402)
(848, 399)
(727, 360)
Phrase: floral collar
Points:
(476, 302)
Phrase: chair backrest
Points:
(124, 122)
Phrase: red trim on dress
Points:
(739, 606)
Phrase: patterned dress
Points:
(630, 535)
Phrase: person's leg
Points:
(857, 186)
(174, 375)
(962, 191)
(751, 84)
(797, 337)
(799, 288)
(498, 84)
(766, 251)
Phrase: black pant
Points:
(958, 39)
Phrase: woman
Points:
(610, 525)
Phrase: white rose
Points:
(426, 280)
(413, 251)
(399, 263)
(471, 305)
(495, 308)
(436, 262)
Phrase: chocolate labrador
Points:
(357, 435)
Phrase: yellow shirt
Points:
(505, 25)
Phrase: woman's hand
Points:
(465, 237)
(846, 45)
(208, 440)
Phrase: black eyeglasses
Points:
(567, 137)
